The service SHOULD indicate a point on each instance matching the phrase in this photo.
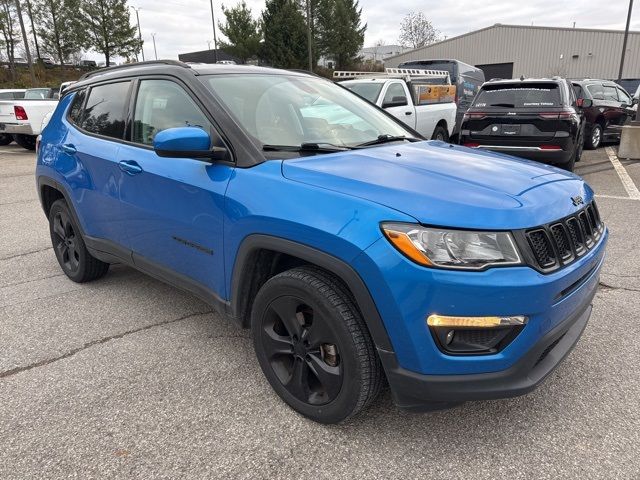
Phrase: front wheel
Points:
(440, 133)
(313, 345)
(26, 141)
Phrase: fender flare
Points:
(242, 270)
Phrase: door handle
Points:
(130, 166)
(68, 148)
(408, 113)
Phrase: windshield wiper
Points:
(306, 147)
(386, 139)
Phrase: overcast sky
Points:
(185, 25)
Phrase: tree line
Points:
(285, 30)
(62, 29)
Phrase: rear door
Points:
(88, 156)
(396, 93)
(173, 207)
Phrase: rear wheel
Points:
(313, 345)
(5, 139)
(595, 139)
(72, 254)
(26, 141)
(440, 133)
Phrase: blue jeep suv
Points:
(357, 254)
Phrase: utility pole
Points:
(139, 32)
(215, 41)
(309, 46)
(624, 42)
(153, 35)
(33, 30)
(26, 44)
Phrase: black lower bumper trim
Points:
(416, 391)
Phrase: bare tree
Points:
(416, 31)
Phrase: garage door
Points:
(497, 70)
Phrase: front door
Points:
(173, 207)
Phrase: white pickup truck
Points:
(422, 99)
(23, 118)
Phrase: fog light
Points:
(474, 335)
(475, 322)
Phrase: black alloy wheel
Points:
(65, 242)
(302, 350)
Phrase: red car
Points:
(611, 109)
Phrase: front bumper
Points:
(414, 391)
(16, 128)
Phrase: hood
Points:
(447, 185)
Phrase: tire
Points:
(440, 133)
(580, 148)
(313, 345)
(595, 138)
(26, 141)
(72, 254)
(5, 139)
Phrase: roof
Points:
(524, 27)
(176, 67)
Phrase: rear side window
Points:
(104, 113)
(75, 110)
(596, 90)
(519, 95)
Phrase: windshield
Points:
(367, 90)
(294, 110)
(529, 95)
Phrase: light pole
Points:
(215, 42)
(139, 32)
(153, 36)
(624, 42)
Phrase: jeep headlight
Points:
(459, 249)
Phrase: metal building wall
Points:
(539, 51)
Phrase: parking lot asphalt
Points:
(127, 377)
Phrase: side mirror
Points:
(186, 142)
(584, 102)
(399, 101)
(634, 101)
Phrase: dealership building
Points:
(509, 51)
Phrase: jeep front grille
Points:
(558, 244)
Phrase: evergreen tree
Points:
(242, 31)
(109, 30)
(59, 27)
(339, 33)
(285, 34)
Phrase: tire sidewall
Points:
(347, 400)
(593, 146)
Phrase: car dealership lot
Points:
(129, 377)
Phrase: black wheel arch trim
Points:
(242, 269)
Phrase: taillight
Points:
(550, 147)
(474, 115)
(20, 113)
(563, 115)
(471, 145)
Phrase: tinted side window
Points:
(75, 110)
(104, 112)
(163, 104)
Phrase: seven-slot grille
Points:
(560, 243)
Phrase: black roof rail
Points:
(100, 71)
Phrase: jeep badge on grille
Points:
(577, 200)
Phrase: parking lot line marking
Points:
(616, 197)
(626, 180)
